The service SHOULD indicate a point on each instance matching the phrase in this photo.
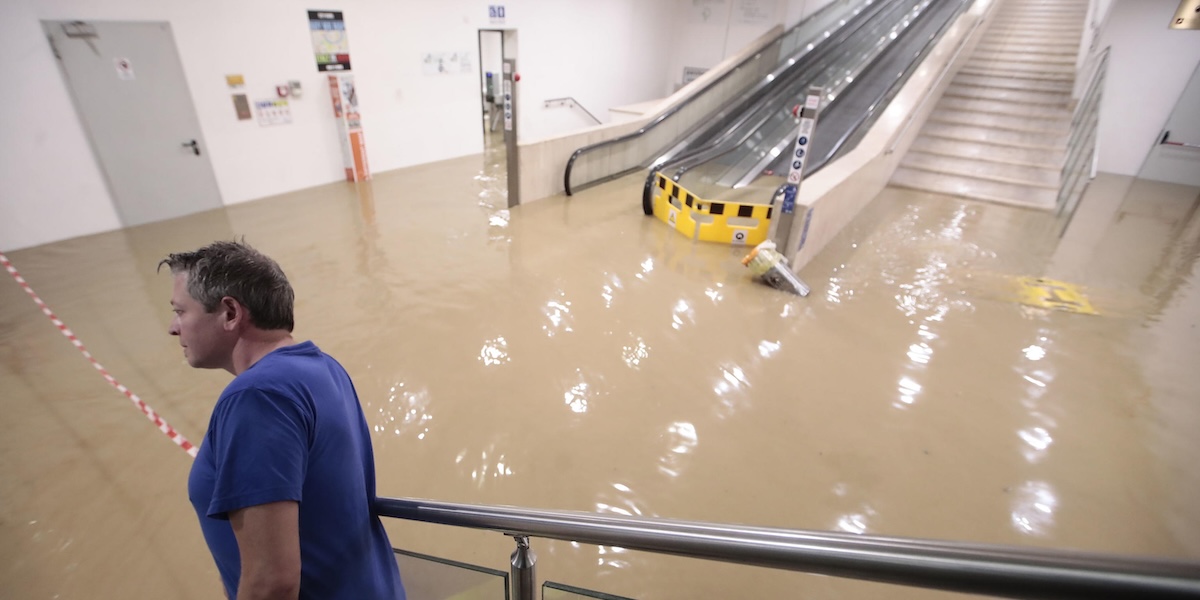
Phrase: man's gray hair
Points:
(236, 270)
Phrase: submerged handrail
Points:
(1008, 571)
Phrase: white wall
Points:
(1149, 65)
(605, 54)
(705, 32)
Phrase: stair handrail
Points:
(1008, 571)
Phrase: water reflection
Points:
(731, 389)
(487, 469)
(855, 522)
(682, 437)
(633, 354)
(768, 348)
(683, 314)
(405, 412)
(494, 352)
(558, 312)
(908, 392)
(1034, 503)
(610, 289)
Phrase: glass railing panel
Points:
(432, 578)
(561, 591)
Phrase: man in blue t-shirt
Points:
(285, 479)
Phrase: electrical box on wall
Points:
(1188, 15)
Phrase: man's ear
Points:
(235, 314)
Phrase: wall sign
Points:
(329, 40)
(496, 14)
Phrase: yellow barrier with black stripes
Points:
(710, 221)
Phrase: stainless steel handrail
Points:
(571, 101)
(1007, 571)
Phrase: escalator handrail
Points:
(673, 109)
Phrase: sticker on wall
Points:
(242, 106)
(330, 45)
(756, 12)
(446, 63)
(273, 112)
(124, 69)
(235, 82)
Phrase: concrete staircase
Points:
(999, 132)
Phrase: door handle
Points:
(193, 145)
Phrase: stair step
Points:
(983, 169)
(1007, 154)
(977, 63)
(1026, 38)
(975, 189)
(1008, 83)
(999, 121)
(1047, 45)
(1003, 108)
(995, 71)
(1060, 58)
(1018, 139)
(1003, 95)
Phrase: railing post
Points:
(524, 567)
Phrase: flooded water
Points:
(575, 354)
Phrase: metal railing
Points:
(1079, 167)
(1006, 571)
(571, 102)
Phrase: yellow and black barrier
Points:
(710, 221)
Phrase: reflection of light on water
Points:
(558, 313)
(634, 355)
(576, 398)
(924, 332)
(768, 349)
(1033, 508)
(647, 266)
(486, 470)
(682, 309)
(920, 353)
(729, 389)
(494, 352)
(682, 436)
(409, 407)
(1034, 352)
(611, 561)
(853, 523)
(1034, 381)
(610, 289)
(499, 219)
(908, 392)
(714, 294)
(856, 522)
(1039, 441)
(834, 292)
(620, 487)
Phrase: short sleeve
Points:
(260, 450)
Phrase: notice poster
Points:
(329, 40)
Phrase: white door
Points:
(128, 86)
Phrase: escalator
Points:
(858, 51)
(744, 159)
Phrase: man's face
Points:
(202, 334)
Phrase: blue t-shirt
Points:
(290, 428)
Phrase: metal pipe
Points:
(1007, 571)
(523, 561)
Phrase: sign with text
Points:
(330, 45)
(496, 14)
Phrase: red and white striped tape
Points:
(150, 414)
